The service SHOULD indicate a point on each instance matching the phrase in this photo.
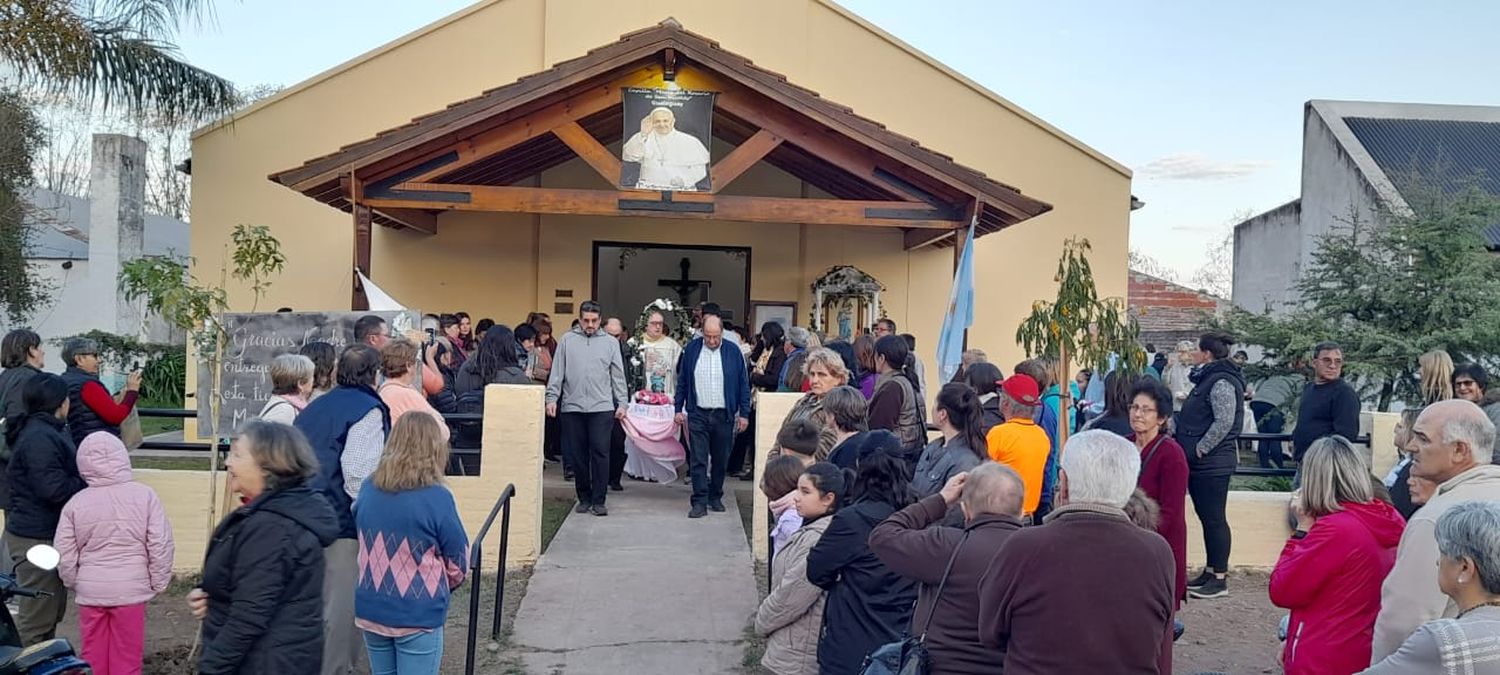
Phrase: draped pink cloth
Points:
(651, 446)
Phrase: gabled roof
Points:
(1451, 146)
(320, 177)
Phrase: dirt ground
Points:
(1234, 635)
(170, 630)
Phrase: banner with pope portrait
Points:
(667, 137)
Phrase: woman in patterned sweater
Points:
(412, 550)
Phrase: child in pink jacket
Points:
(116, 547)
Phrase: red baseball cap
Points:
(1022, 389)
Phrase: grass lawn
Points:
(150, 426)
(554, 511)
(171, 463)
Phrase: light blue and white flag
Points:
(960, 315)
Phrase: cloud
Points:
(1190, 166)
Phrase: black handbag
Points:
(909, 656)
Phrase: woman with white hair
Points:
(1331, 568)
(1468, 539)
(291, 386)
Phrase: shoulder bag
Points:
(909, 656)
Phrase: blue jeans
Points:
(710, 438)
(415, 654)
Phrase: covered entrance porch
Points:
(528, 177)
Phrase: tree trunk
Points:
(1065, 402)
(1387, 392)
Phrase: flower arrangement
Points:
(652, 398)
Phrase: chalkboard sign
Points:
(255, 339)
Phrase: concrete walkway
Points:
(643, 590)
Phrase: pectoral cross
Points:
(683, 285)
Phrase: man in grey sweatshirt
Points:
(586, 392)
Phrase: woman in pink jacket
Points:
(116, 547)
(1331, 568)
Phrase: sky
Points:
(1203, 101)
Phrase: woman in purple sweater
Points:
(413, 550)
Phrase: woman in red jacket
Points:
(1331, 568)
(1164, 469)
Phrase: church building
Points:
(783, 158)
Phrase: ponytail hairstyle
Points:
(883, 477)
(961, 403)
(829, 478)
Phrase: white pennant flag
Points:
(380, 301)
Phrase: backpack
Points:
(467, 435)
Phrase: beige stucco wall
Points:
(488, 264)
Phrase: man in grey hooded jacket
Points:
(586, 392)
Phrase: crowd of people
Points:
(978, 529)
(978, 545)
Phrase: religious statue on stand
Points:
(846, 322)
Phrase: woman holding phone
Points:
(92, 408)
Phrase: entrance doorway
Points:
(629, 276)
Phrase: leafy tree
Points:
(21, 136)
(168, 290)
(114, 51)
(1079, 326)
(1392, 288)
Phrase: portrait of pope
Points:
(668, 159)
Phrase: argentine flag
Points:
(960, 311)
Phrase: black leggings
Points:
(1210, 496)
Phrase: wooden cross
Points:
(683, 285)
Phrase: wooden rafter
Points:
(688, 205)
(509, 131)
(590, 150)
(742, 158)
(415, 219)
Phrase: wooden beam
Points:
(916, 239)
(590, 150)
(733, 92)
(508, 130)
(415, 219)
(363, 230)
(687, 205)
(742, 158)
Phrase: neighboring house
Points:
(78, 246)
(1355, 156)
(1168, 312)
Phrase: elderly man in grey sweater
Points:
(586, 392)
(1454, 441)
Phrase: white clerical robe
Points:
(675, 161)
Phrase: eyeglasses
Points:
(1143, 409)
(1464, 384)
(654, 323)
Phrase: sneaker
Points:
(1203, 578)
(716, 506)
(698, 511)
(599, 510)
(581, 508)
(1215, 588)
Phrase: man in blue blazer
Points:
(713, 400)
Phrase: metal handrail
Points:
(502, 506)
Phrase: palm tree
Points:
(112, 51)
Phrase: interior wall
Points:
(624, 293)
